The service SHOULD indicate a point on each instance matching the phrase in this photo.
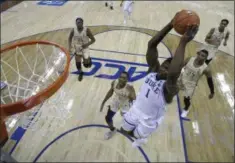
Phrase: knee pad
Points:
(79, 65)
(88, 63)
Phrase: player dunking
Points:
(123, 95)
(78, 45)
(159, 88)
(194, 68)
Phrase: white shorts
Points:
(142, 127)
(123, 106)
(77, 50)
(188, 89)
(128, 6)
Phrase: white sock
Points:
(139, 142)
(184, 113)
(125, 16)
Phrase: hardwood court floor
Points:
(209, 134)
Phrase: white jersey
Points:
(191, 74)
(150, 101)
(217, 37)
(80, 38)
(121, 94)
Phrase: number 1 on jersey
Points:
(147, 94)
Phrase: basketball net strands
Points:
(33, 94)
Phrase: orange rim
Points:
(28, 103)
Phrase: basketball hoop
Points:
(32, 72)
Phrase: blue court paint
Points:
(82, 127)
(182, 131)
(17, 135)
(52, 3)
(116, 65)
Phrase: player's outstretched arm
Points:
(208, 74)
(177, 63)
(152, 53)
(92, 38)
(156, 39)
(132, 95)
(161, 34)
(226, 38)
(107, 96)
(209, 35)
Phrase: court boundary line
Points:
(181, 122)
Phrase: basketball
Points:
(184, 19)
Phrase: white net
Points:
(27, 70)
(49, 115)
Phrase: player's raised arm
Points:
(177, 64)
(152, 53)
(132, 95)
(107, 96)
(208, 74)
(155, 40)
(209, 35)
(226, 38)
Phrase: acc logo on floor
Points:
(119, 66)
(53, 3)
